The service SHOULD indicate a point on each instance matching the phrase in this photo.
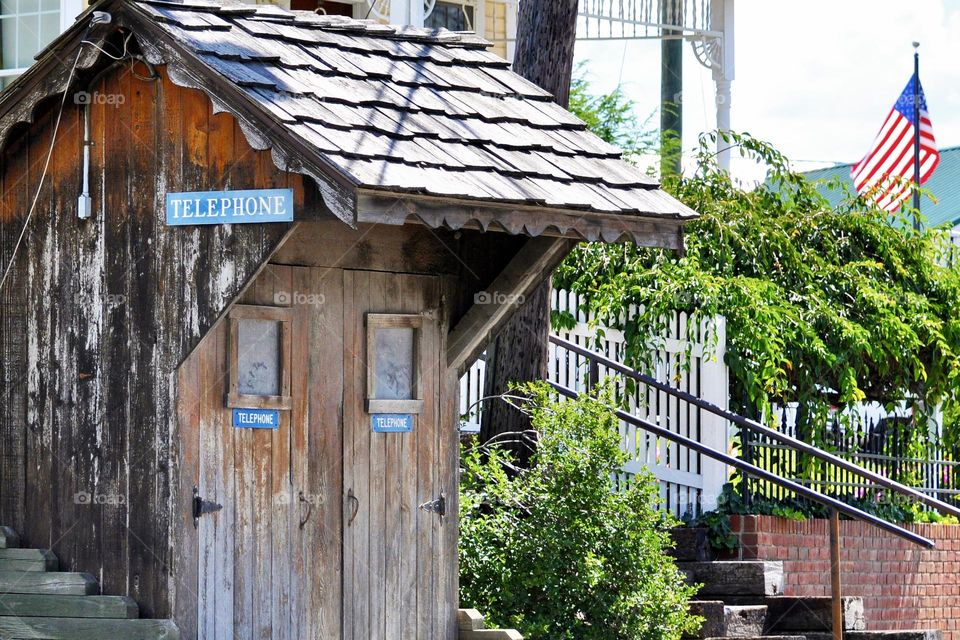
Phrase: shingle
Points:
(192, 20)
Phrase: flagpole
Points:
(916, 135)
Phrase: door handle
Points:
(303, 519)
(355, 501)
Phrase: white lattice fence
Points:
(688, 480)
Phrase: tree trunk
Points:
(546, 31)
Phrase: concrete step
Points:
(49, 582)
(788, 614)
(28, 560)
(721, 620)
(8, 538)
(735, 578)
(690, 544)
(87, 629)
(910, 634)
(58, 606)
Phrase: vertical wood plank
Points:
(397, 298)
(109, 165)
(382, 294)
(428, 524)
(284, 503)
(449, 443)
(188, 427)
(301, 587)
(263, 533)
(348, 501)
(324, 540)
(360, 529)
(210, 388)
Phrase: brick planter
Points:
(902, 585)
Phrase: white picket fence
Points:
(689, 481)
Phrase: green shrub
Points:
(558, 550)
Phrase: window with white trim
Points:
(27, 27)
(456, 16)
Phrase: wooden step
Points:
(28, 560)
(57, 606)
(8, 538)
(52, 582)
(87, 629)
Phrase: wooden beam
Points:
(534, 262)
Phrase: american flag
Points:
(885, 171)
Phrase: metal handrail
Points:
(794, 443)
(733, 461)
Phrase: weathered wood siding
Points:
(99, 315)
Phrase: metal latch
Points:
(202, 507)
(438, 506)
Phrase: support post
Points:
(671, 89)
(836, 587)
(721, 18)
(916, 136)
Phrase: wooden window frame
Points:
(376, 321)
(283, 315)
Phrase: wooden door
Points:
(251, 556)
(395, 585)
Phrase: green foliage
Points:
(558, 551)
(823, 305)
(611, 116)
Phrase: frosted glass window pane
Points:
(258, 357)
(28, 39)
(393, 358)
(49, 28)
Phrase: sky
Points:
(815, 78)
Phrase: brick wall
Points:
(903, 586)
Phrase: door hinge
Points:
(438, 506)
(202, 507)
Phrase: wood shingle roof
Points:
(371, 111)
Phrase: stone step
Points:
(735, 578)
(471, 626)
(690, 544)
(721, 620)
(57, 606)
(910, 634)
(87, 629)
(788, 614)
(28, 560)
(8, 538)
(50, 582)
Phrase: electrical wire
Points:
(46, 166)
(122, 56)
